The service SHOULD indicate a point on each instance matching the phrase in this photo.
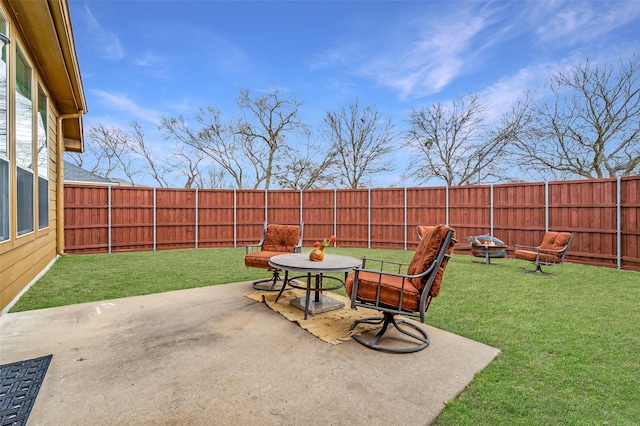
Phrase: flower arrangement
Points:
(317, 254)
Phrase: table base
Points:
(325, 304)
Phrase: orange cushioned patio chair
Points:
(401, 289)
(275, 240)
(550, 252)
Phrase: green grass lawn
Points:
(570, 345)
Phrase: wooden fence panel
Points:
(317, 215)
(132, 226)
(216, 218)
(250, 216)
(586, 208)
(519, 213)
(387, 218)
(283, 207)
(425, 206)
(352, 212)
(630, 222)
(175, 218)
(86, 219)
(470, 210)
(101, 219)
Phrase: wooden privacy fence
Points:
(603, 214)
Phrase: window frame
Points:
(25, 186)
(5, 154)
(43, 158)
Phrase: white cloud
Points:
(121, 103)
(418, 57)
(427, 52)
(104, 41)
(579, 22)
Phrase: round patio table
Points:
(299, 262)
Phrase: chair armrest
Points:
(251, 248)
(529, 248)
(395, 265)
(391, 274)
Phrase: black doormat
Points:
(19, 386)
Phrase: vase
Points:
(317, 254)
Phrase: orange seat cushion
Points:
(391, 288)
(545, 256)
(260, 259)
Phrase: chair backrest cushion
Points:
(281, 238)
(426, 253)
(424, 230)
(555, 240)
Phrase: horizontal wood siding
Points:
(378, 218)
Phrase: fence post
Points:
(405, 218)
(196, 236)
(109, 219)
(369, 218)
(491, 211)
(446, 205)
(235, 218)
(301, 194)
(266, 206)
(546, 206)
(619, 223)
(335, 211)
(155, 208)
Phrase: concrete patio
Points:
(211, 356)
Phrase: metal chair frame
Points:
(275, 277)
(419, 336)
(556, 254)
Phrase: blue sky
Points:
(142, 60)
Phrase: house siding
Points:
(24, 258)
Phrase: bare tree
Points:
(591, 126)
(213, 138)
(309, 166)
(361, 140)
(247, 148)
(137, 144)
(265, 123)
(458, 144)
(187, 164)
(215, 178)
(108, 149)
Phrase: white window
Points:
(4, 141)
(24, 146)
(43, 161)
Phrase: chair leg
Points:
(273, 280)
(401, 325)
(539, 269)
